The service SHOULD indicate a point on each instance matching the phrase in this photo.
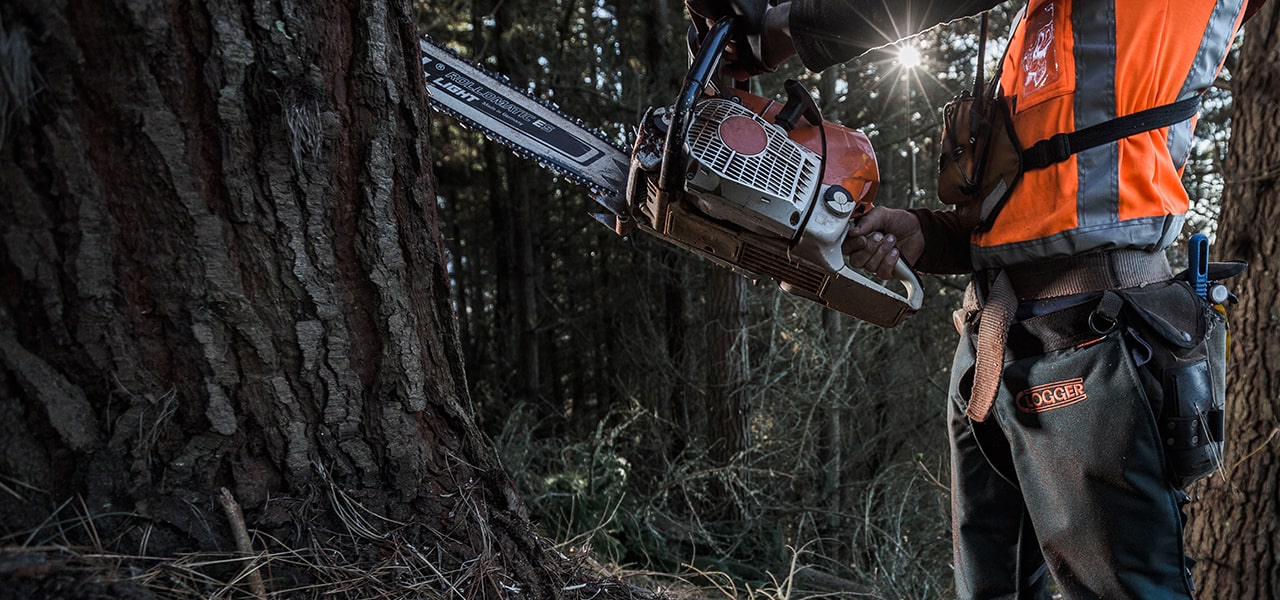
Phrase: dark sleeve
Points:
(946, 242)
(826, 32)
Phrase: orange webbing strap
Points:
(1117, 269)
(993, 331)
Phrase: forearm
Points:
(825, 33)
(946, 242)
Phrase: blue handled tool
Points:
(1198, 264)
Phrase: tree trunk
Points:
(726, 334)
(520, 226)
(834, 444)
(222, 268)
(676, 323)
(726, 397)
(1233, 529)
(664, 65)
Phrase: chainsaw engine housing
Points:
(765, 201)
(745, 169)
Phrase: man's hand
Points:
(763, 40)
(882, 237)
(751, 11)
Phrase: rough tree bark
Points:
(1233, 529)
(221, 267)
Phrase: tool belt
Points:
(1062, 277)
(1176, 340)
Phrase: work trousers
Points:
(1065, 478)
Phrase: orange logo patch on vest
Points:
(1047, 397)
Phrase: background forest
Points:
(271, 328)
(661, 409)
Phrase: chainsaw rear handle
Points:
(867, 299)
(915, 292)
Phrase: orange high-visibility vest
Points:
(1075, 63)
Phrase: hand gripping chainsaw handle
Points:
(780, 186)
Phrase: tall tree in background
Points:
(221, 269)
(1235, 528)
(726, 401)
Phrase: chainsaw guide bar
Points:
(535, 129)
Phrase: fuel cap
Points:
(839, 200)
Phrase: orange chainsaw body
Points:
(849, 159)
(765, 195)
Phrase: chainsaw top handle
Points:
(701, 70)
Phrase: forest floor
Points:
(353, 569)
(85, 573)
(68, 573)
(75, 556)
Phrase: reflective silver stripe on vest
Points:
(1216, 41)
(1098, 193)
(1150, 234)
(1093, 23)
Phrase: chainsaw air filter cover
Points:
(746, 170)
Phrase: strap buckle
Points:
(1043, 153)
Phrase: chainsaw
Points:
(765, 188)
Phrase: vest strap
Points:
(1061, 146)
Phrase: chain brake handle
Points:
(702, 67)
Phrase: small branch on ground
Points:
(241, 535)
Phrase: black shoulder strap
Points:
(993, 88)
(1059, 147)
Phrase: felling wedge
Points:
(767, 189)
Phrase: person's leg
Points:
(995, 548)
(1087, 456)
(996, 551)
